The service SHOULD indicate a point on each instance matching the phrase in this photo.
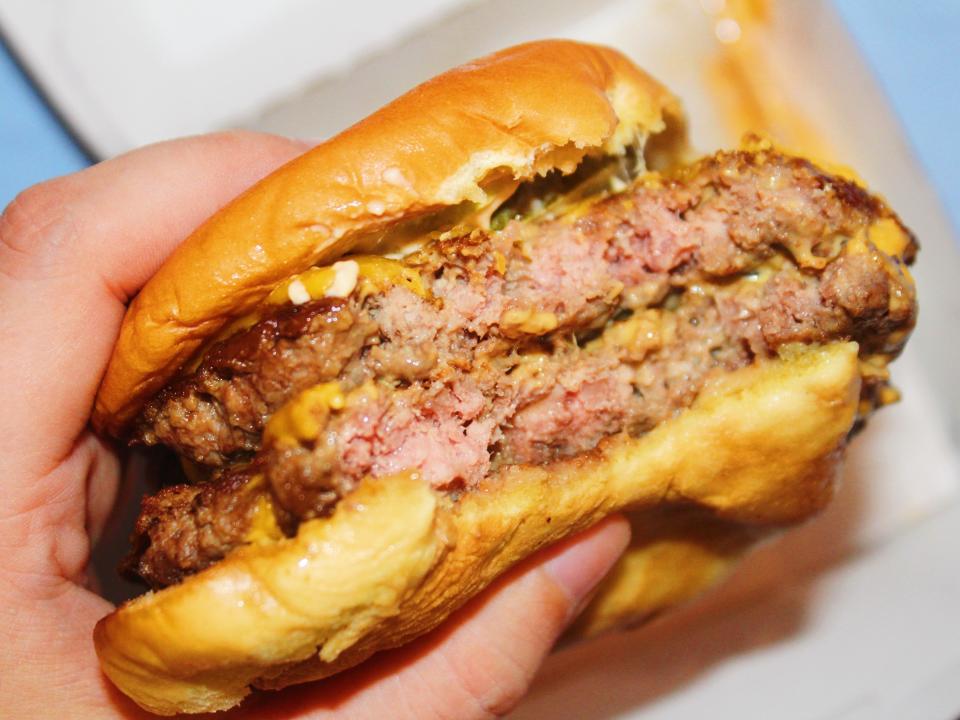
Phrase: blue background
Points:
(914, 48)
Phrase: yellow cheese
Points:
(636, 336)
(500, 262)
(263, 526)
(303, 417)
(529, 367)
(529, 321)
(875, 366)
(888, 395)
(889, 237)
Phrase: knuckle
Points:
(503, 696)
(513, 671)
(491, 688)
(33, 207)
(36, 229)
(493, 674)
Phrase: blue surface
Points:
(33, 144)
(914, 48)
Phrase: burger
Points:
(500, 308)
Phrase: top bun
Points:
(457, 139)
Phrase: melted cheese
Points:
(529, 369)
(875, 366)
(303, 417)
(888, 395)
(500, 263)
(637, 335)
(263, 526)
(886, 240)
(530, 321)
(887, 235)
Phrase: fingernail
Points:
(578, 568)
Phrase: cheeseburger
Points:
(500, 308)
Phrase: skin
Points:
(73, 251)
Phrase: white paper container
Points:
(124, 73)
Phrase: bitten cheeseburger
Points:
(495, 311)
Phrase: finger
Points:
(48, 653)
(73, 250)
(478, 665)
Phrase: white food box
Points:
(855, 615)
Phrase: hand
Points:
(73, 251)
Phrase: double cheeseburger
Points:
(495, 311)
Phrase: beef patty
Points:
(531, 343)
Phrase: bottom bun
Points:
(757, 450)
(675, 554)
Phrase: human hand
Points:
(73, 251)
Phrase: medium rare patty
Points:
(719, 219)
(529, 344)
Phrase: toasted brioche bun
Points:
(453, 140)
(758, 449)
